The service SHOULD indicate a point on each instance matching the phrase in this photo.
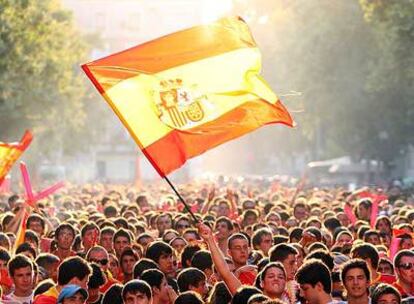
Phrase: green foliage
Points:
(40, 83)
(353, 63)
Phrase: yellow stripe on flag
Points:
(179, 102)
(10, 153)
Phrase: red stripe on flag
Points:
(171, 151)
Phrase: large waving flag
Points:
(10, 152)
(187, 92)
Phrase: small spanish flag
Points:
(185, 93)
(10, 152)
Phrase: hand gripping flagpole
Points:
(186, 206)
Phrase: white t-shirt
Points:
(12, 299)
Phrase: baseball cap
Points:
(69, 291)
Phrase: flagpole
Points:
(182, 200)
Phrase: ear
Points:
(319, 286)
(155, 291)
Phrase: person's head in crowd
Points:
(369, 254)
(300, 209)
(164, 222)
(121, 222)
(344, 237)
(404, 268)
(113, 265)
(4, 258)
(219, 294)
(273, 217)
(90, 235)
(383, 224)
(113, 295)
(27, 250)
(248, 204)
(168, 235)
(12, 201)
(301, 253)
(372, 236)
(136, 291)
(189, 297)
(4, 241)
(77, 244)
(224, 207)
(406, 241)
(50, 263)
(142, 265)
(238, 249)
(286, 254)
(74, 270)
(262, 240)
(343, 219)
(144, 239)
(356, 279)
(244, 293)
(261, 298)
(178, 244)
(110, 211)
(187, 254)
(72, 294)
(21, 272)
(36, 223)
(315, 282)
(191, 235)
(96, 281)
(65, 236)
(313, 222)
(142, 202)
(331, 223)
(273, 280)
(323, 256)
(311, 235)
(295, 235)
(249, 217)
(159, 285)
(98, 255)
(127, 261)
(364, 208)
(385, 294)
(385, 266)
(316, 246)
(192, 279)
(162, 254)
(121, 240)
(181, 223)
(202, 260)
(223, 228)
(32, 238)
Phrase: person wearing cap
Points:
(72, 294)
(74, 270)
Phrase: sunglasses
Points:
(103, 262)
(406, 266)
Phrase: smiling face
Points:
(274, 282)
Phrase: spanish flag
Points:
(185, 93)
(10, 152)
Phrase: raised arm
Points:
(220, 263)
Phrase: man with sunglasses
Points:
(99, 255)
(404, 268)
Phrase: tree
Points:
(390, 82)
(40, 84)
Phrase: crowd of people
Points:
(243, 244)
